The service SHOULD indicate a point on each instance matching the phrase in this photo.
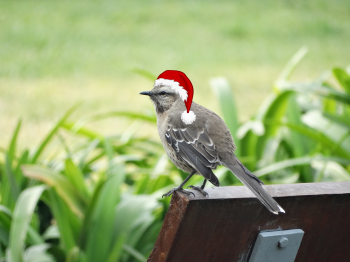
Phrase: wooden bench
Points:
(224, 226)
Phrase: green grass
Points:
(55, 53)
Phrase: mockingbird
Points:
(196, 139)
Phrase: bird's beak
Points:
(146, 93)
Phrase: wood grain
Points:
(224, 226)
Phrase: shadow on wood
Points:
(225, 226)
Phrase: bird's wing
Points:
(196, 148)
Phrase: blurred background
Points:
(78, 144)
(54, 54)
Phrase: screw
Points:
(283, 242)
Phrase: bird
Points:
(196, 139)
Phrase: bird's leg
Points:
(201, 188)
(180, 187)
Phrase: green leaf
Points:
(5, 210)
(334, 94)
(79, 128)
(21, 218)
(4, 236)
(34, 237)
(289, 179)
(337, 133)
(274, 110)
(11, 179)
(330, 171)
(297, 162)
(10, 185)
(249, 149)
(51, 232)
(343, 78)
(341, 120)
(130, 132)
(38, 253)
(76, 177)
(76, 255)
(102, 217)
(117, 248)
(294, 114)
(145, 74)
(90, 148)
(223, 91)
(329, 105)
(131, 115)
(12, 146)
(317, 89)
(319, 137)
(61, 184)
(134, 253)
(51, 134)
(257, 127)
(160, 182)
(87, 223)
(67, 222)
(83, 131)
(299, 144)
(141, 184)
(5, 222)
(21, 180)
(291, 65)
(108, 150)
(134, 215)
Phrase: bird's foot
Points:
(198, 188)
(179, 189)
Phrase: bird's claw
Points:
(199, 189)
(179, 190)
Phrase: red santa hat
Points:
(180, 83)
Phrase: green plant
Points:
(301, 130)
(87, 211)
(82, 196)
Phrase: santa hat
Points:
(179, 82)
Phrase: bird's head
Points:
(163, 98)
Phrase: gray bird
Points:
(201, 146)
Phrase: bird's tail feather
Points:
(255, 185)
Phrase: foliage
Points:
(82, 205)
(81, 196)
(302, 130)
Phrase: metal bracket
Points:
(277, 246)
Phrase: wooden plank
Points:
(224, 226)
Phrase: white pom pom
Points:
(188, 118)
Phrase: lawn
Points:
(56, 53)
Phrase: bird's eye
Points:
(163, 93)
